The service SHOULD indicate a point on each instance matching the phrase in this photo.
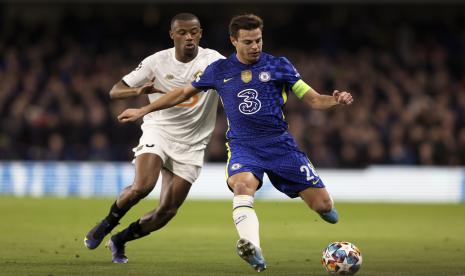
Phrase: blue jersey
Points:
(252, 95)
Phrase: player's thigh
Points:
(174, 189)
(317, 199)
(243, 183)
(147, 169)
(243, 169)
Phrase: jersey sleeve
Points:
(141, 75)
(214, 56)
(218, 56)
(291, 78)
(206, 80)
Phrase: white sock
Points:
(245, 218)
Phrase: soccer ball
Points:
(341, 258)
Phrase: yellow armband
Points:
(300, 88)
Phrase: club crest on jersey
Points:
(169, 77)
(246, 76)
(236, 166)
(197, 75)
(264, 76)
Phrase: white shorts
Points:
(183, 160)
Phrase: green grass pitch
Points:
(45, 237)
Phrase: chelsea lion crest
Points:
(236, 166)
(264, 76)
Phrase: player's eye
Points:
(182, 32)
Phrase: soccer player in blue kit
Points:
(253, 87)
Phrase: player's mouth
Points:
(190, 46)
(255, 54)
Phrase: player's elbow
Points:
(118, 91)
(112, 93)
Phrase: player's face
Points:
(186, 36)
(248, 45)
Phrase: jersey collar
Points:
(177, 62)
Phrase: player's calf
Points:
(132, 194)
(158, 218)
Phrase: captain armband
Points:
(300, 88)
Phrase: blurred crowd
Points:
(407, 78)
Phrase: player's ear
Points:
(171, 34)
(200, 33)
(233, 40)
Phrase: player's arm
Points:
(121, 90)
(172, 98)
(304, 92)
(318, 101)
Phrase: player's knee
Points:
(242, 188)
(142, 188)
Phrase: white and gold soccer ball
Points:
(341, 258)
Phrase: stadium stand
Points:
(405, 69)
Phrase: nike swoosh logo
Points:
(226, 80)
(315, 182)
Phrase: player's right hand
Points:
(130, 115)
(343, 97)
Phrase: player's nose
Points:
(255, 45)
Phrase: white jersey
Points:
(190, 122)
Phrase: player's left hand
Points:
(130, 115)
(342, 97)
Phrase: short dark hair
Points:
(184, 16)
(244, 22)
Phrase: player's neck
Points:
(186, 57)
(243, 60)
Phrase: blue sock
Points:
(331, 216)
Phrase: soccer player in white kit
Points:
(173, 140)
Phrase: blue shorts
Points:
(289, 169)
